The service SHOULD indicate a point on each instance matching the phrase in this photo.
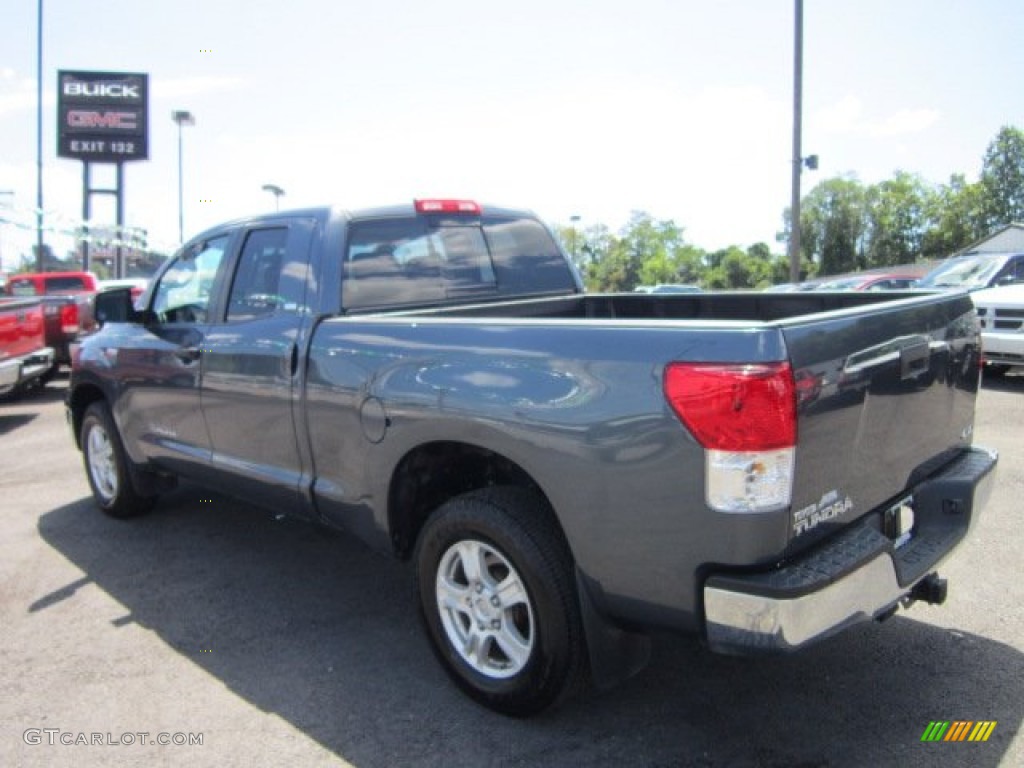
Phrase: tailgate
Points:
(21, 327)
(886, 395)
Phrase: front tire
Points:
(106, 465)
(497, 596)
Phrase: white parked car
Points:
(1001, 313)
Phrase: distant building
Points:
(1009, 238)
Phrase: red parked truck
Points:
(67, 299)
(24, 357)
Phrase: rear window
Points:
(51, 285)
(436, 258)
(21, 288)
(59, 284)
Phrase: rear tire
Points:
(498, 598)
(107, 467)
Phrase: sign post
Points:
(103, 117)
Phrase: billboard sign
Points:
(102, 117)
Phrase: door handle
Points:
(187, 354)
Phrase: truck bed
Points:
(570, 389)
(743, 306)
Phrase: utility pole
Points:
(794, 206)
(276, 191)
(182, 118)
(39, 138)
(575, 219)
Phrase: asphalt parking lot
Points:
(277, 643)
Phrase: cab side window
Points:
(183, 293)
(1011, 272)
(1018, 269)
(262, 285)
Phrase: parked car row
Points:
(975, 271)
(668, 288)
(41, 315)
(996, 284)
(896, 281)
(969, 272)
(1001, 315)
(24, 357)
(67, 299)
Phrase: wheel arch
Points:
(79, 400)
(433, 472)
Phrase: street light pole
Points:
(277, 192)
(39, 138)
(182, 118)
(4, 193)
(794, 207)
(575, 220)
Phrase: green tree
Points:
(570, 238)
(760, 251)
(689, 264)
(956, 216)
(658, 268)
(613, 271)
(645, 250)
(896, 219)
(763, 266)
(736, 268)
(1002, 177)
(832, 225)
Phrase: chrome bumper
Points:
(37, 363)
(738, 621)
(10, 374)
(18, 371)
(856, 576)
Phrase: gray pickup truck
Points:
(566, 471)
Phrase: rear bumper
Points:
(36, 364)
(19, 371)
(10, 373)
(856, 576)
(1003, 348)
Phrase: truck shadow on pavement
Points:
(311, 626)
(9, 422)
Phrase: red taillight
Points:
(447, 206)
(69, 318)
(735, 407)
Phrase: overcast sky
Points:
(679, 108)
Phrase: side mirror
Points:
(115, 306)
